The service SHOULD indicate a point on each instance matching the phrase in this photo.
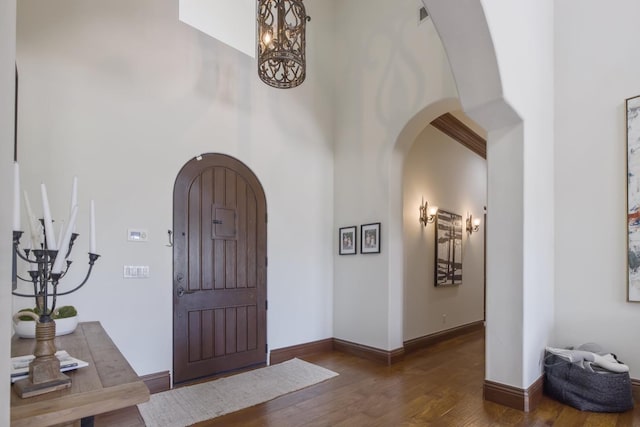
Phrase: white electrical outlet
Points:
(136, 271)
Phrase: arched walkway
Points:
(474, 64)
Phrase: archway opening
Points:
(443, 261)
(473, 61)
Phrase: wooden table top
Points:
(107, 384)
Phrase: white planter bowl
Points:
(27, 328)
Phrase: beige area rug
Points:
(188, 405)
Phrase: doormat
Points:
(184, 406)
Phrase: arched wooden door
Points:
(219, 268)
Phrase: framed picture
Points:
(348, 240)
(448, 249)
(370, 238)
(633, 198)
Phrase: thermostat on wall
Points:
(137, 235)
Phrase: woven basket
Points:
(585, 390)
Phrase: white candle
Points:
(74, 195)
(61, 234)
(33, 225)
(48, 224)
(16, 197)
(92, 229)
(64, 244)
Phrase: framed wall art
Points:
(370, 238)
(348, 239)
(448, 249)
(633, 198)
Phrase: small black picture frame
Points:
(348, 240)
(370, 238)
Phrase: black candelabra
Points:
(45, 275)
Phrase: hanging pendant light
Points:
(281, 42)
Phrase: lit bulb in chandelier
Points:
(266, 38)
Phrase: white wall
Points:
(524, 48)
(388, 68)
(122, 94)
(7, 80)
(452, 177)
(596, 70)
(505, 252)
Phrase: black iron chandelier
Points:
(281, 42)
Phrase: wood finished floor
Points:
(437, 386)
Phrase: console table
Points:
(107, 384)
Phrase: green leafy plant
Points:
(61, 313)
(65, 311)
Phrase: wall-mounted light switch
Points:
(136, 271)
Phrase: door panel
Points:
(219, 268)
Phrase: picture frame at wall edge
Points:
(370, 238)
(632, 115)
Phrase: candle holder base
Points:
(27, 388)
(44, 370)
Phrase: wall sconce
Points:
(427, 214)
(473, 225)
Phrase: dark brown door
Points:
(219, 268)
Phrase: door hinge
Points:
(266, 305)
(266, 261)
(266, 348)
(265, 217)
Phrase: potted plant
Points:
(24, 321)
